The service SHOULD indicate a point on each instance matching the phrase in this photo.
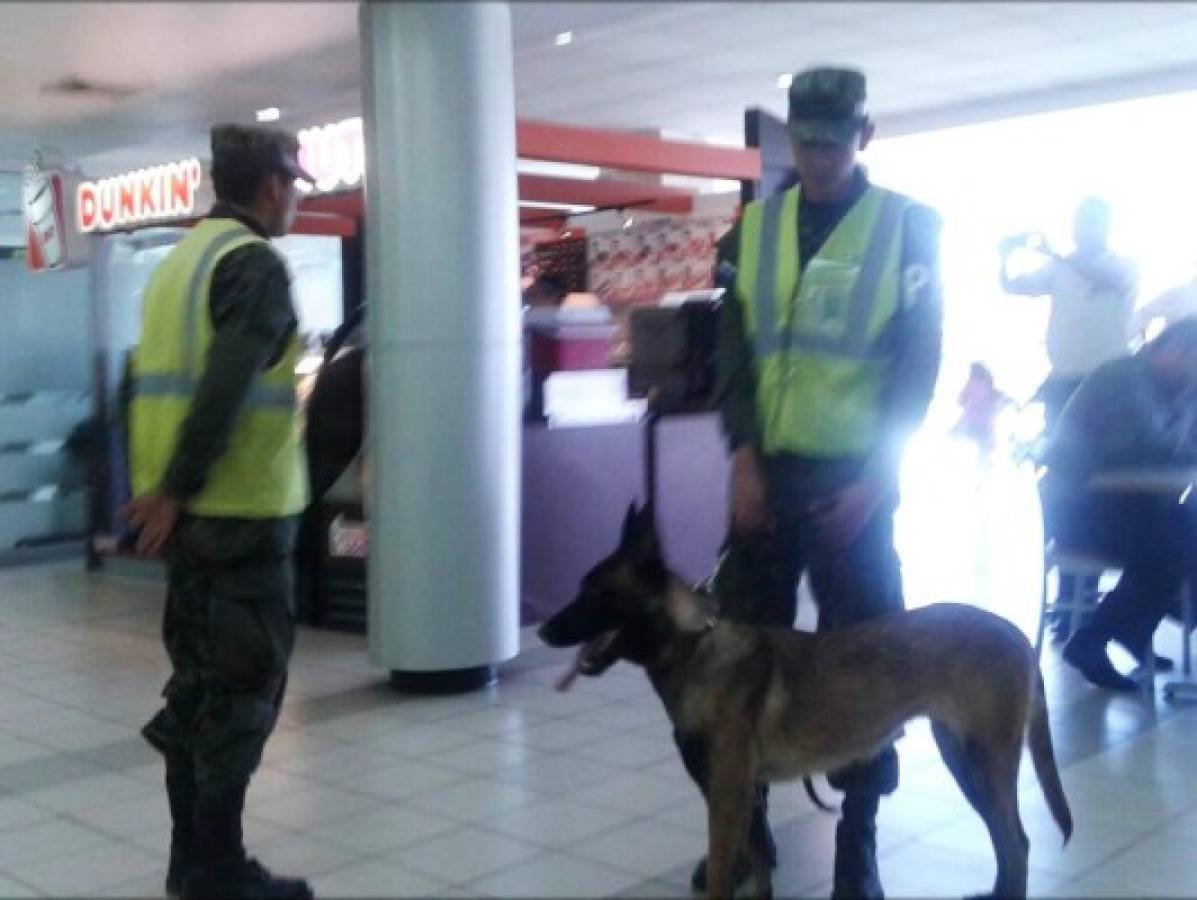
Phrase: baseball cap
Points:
(252, 148)
(827, 104)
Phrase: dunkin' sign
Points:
(137, 198)
(335, 155)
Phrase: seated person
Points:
(1132, 412)
(546, 292)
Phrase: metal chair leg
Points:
(1043, 611)
(1186, 628)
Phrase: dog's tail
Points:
(1043, 755)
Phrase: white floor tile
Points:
(555, 823)
(476, 799)
(1151, 868)
(555, 875)
(56, 839)
(560, 734)
(90, 793)
(497, 721)
(633, 793)
(10, 887)
(129, 818)
(403, 780)
(629, 751)
(490, 757)
(646, 848)
(415, 740)
(16, 813)
(463, 856)
(313, 806)
(298, 856)
(87, 871)
(374, 878)
(558, 774)
(916, 870)
(383, 830)
(149, 885)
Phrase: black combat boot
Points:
(180, 793)
(863, 784)
(222, 869)
(856, 876)
(761, 838)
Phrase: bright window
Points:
(1027, 174)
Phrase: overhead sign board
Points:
(159, 193)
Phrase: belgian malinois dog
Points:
(774, 704)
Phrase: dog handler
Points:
(829, 348)
(219, 477)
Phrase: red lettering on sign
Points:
(107, 202)
(180, 190)
(87, 207)
(128, 197)
(146, 206)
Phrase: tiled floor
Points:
(521, 791)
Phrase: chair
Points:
(1089, 569)
(1086, 569)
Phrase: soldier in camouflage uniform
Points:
(218, 481)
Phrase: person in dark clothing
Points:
(1133, 412)
(336, 414)
(829, 349)
(218, 480)
(547, 291)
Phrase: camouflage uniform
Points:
(229, 621)
(229, 629)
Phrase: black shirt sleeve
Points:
(735, 390)
(253, 320)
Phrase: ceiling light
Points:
(783, 80)
(564, 38)
(269, 114)
(563, 207)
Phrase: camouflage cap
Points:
(252, 148)
(827, 104)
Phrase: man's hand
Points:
(155, 515)
(840, 518)
(749, 508)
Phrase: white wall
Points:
(44, 326)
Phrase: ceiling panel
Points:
(691, 68)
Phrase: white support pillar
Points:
(442, 284)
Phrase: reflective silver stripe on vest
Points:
(768, 339)
(182, 387)
(191, 358)
(865, 292)
(854, 343)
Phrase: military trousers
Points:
(229, 630)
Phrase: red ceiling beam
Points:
(633, 152)
(542, 218)
(324, 224)
(345, 203)
(605, 193)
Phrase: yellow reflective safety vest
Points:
(820, 363)
(263, 473)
